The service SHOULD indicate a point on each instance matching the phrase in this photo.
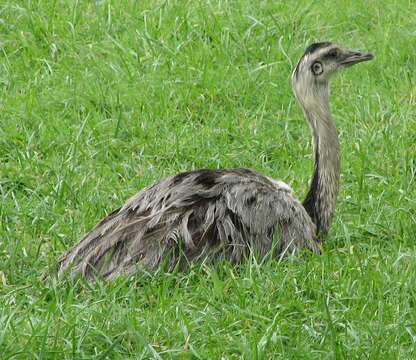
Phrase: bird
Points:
(208, 215)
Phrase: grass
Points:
(100, 98)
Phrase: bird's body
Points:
(202, 215)
(206, 215)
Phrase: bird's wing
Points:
(193, 216)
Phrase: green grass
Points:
(100, 98)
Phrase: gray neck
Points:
(321, 198)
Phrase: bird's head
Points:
(319, 63)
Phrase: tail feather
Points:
(120, 242)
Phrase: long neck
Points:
(321, 198)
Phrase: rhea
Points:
(208, 215)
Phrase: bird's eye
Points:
(317, 68)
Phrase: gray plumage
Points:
(207, 215)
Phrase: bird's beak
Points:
(352, 57)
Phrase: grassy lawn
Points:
(101, 98)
